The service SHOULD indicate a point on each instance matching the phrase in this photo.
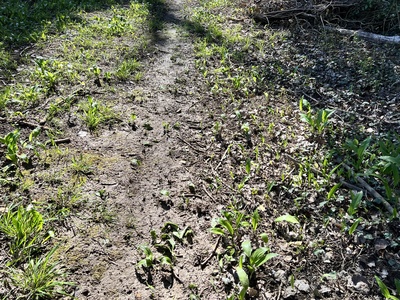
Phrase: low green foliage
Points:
(319, 120)
(95, 113)
(11, 140)
(39, 279)
(254, 259)
(148, 261)
(385, 291)
(23, 228)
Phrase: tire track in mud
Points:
(143, 162)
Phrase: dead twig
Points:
(222, 158)
(32, 125)
(62, 141)
(204, 263)
(373, 192)
(208, 194)
(190, 145)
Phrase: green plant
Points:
(250, 260)
(385, 291)
(39, 279)
(318, 121)
(82, 165)
(92, 114)
(355, 202)
(254, 259)
(13, 150)
(287, 218)
(148, 261)
(170, 233)
(95, 113)
(127, 68)
(391, 166)
(355, 225)
(22, 226)
(359, 150)
(230, 225)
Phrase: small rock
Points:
(289, 292)
(381, 244)
(359, 283)
(302, 285)
(280, 276)
(82, 133)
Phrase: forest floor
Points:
(178, 145)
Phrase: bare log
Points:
(365, 35)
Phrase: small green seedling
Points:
(319, 121)
(287, 218)
(148, 261)
(385, 291)
(355, 202)
(229, 224)
(359, 149)
(13, 152)
(255, 259)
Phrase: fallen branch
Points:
(374, 193)
(365, 35)
(204, 263)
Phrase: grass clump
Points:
(95, 113)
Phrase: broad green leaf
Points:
(165, 260)
(255, 218)
(217, 230)
(246, 247)
(259, 257)
(384, 290)
(227, 224)
(354, 226)
(248, 166)
(391, 159)
(355, 202)
(333, 190)
(330, 276)
(170, 227)
(397, 284)
(264, 237)
(164, 192)
(244, 279)
(287, 218)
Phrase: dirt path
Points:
(144, 162)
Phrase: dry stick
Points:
(191, 146)
(62, 141)
(32, 125)
(222, 158)
(208, 194)
(203, 264)
(350, 186)
(374, 193)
